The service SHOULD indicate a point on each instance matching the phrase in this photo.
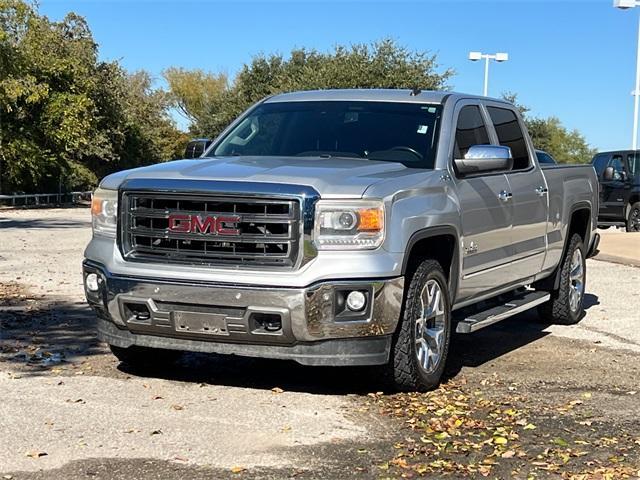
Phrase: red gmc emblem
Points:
(204, 224)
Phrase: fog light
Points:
(356, 301)
(92, 282)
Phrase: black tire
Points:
(143, 357)
(404, 371)
(633, 218)
(559, 309)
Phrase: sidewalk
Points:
(618, 246)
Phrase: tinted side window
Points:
(544, 158)
(188, 151)
(198, 149)
(599, 163)
(618, 166)
(633, 159)
(470, 130)
(510, 135)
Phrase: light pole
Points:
(625, 4)
(498, 57)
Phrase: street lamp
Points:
(498, 57)
(625, 4)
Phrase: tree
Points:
(194, 91)
(383, 64)
(548, 134)
(566, 146)
(66, 117)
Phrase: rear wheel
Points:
(566, 304)
(421, 343)
(143, 357)
(633, 219)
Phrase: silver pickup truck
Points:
(343, 227)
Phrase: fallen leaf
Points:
(36, 454)
(500, 440)
(508, 454)
(177, 407)
(277, 390)
(238, 469)
(530, 426)
(561, 442)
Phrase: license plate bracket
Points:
(200, 323)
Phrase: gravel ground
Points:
(68, 409)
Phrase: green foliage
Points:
(192, 91)
(383, 64)
(566, 146)
(548, 134)
(66, 117)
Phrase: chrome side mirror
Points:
(485, 158)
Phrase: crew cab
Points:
(619, 176)
(342, 227)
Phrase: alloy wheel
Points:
(430, 327)
(576, 279)
(634, 220)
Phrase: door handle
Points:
(542, 191)
(505, 196)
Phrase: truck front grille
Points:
(210, 230)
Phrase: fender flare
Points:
(582, 205)
(430, 232)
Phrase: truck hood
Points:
(331, 177)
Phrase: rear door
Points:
(530, 196)
(612, 197)
(486, 220)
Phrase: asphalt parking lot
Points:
(523, 399)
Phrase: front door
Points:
(486, 212)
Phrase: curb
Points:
(630, 262)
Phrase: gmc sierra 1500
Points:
(342, 227)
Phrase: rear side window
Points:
(633, 159)
(198, 149)
(599, 163)
(470, 130)
(510, 135)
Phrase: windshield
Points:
(392, 132)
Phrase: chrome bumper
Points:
(305, 315)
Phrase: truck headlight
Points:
(104, 212)
(348, 225)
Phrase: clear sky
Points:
(571, 59)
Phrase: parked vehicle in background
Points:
(545, 159)
(196, 147)
(342, 227)
(619, 176)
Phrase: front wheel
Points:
(566, 304)
(633, 219)
(421, 343)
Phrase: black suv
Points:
(619, 176)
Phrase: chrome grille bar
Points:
(210, 230)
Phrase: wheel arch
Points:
(440, 243)
(580, 218)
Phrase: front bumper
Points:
(309, 325)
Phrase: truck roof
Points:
(377, 95)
